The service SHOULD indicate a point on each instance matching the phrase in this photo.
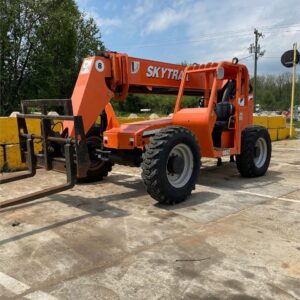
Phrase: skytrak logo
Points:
(164, 73)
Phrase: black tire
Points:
(256, 149)
(98, 169)
(157, 163)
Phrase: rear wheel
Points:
(98, 168)
(171, 165)
(256, 149)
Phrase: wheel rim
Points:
(180, 165)
(260, 154)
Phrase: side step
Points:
(31, 162)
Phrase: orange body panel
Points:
(91, 94)
(133, 135)
(114, 75)
(200, 122)
(227, 140)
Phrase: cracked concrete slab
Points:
(234, 238)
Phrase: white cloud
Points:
(107, 25)
(199, 31)
(108, 22)
(142, 8)
(165, 19)
(216, 21)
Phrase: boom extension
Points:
(114, 75)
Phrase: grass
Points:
(296, 124)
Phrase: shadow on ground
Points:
(225, 176)
(221, 177)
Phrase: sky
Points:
(198, 31)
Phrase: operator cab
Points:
(224, 110)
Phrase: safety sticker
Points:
(86, 66)
(226, 152)
(135, 66)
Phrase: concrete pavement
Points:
(234, 238)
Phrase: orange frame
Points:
(114, 75)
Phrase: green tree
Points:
(274, 92)
(42, 45)
(269, 100)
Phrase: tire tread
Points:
(244, 160)
(151, 161)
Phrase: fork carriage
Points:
(68, 155)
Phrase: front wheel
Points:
(171, 165)
(98, 168)
(256, 149)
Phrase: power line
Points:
(182, 42)
(272, 57)
(217, 35)
(280, 26)
(243, 58)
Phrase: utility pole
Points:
(293, 88)
(290, 59)
(255, 49)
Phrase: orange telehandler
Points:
(168, 149)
